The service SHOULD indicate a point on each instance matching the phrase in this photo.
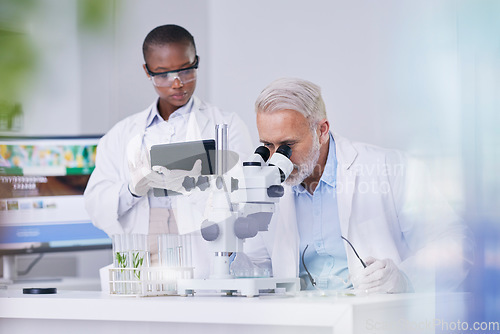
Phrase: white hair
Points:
(293, 94)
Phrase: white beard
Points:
(307, 167)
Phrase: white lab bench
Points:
(95, 312)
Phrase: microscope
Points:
(240, 208)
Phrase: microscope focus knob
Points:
(275, 191)
(203, 182)
(245, 227)
(210, 230)
(189, 183)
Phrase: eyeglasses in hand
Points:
(364, 265)
(313, 282)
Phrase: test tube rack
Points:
(149, 268)
(147, 281)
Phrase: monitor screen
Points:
(42, 180)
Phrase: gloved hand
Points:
(381, 276)
(173, 179)
(143, 177)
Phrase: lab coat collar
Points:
(346, 181)
(344, 151)
(199, 111)
(153, 115)
(329, 175)
(285, 253)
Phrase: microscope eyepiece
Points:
(285, 150)
(263, 152)
(260, 157)
(282, 161)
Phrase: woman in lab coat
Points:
(117, 197)
(388, 208)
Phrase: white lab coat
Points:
(108, 184)
(388, 208)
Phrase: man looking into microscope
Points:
(347, 199)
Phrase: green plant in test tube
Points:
(121, 258)
(137, 262)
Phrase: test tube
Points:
(174, 255)
(185, 241)
(139, 255)
(120, 261)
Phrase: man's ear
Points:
(324, 131)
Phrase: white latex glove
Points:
(172, 179)
(382, 276)
(143, 177)
(138, 164)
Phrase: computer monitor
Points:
(42, 180)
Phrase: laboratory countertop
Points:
(351, 314)
(61, 283)
(236, 309)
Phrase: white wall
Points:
(51, 101)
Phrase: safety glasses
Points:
(166, 79)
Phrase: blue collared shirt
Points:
(154, 117)
(319, 229)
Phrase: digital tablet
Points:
(183, 156)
